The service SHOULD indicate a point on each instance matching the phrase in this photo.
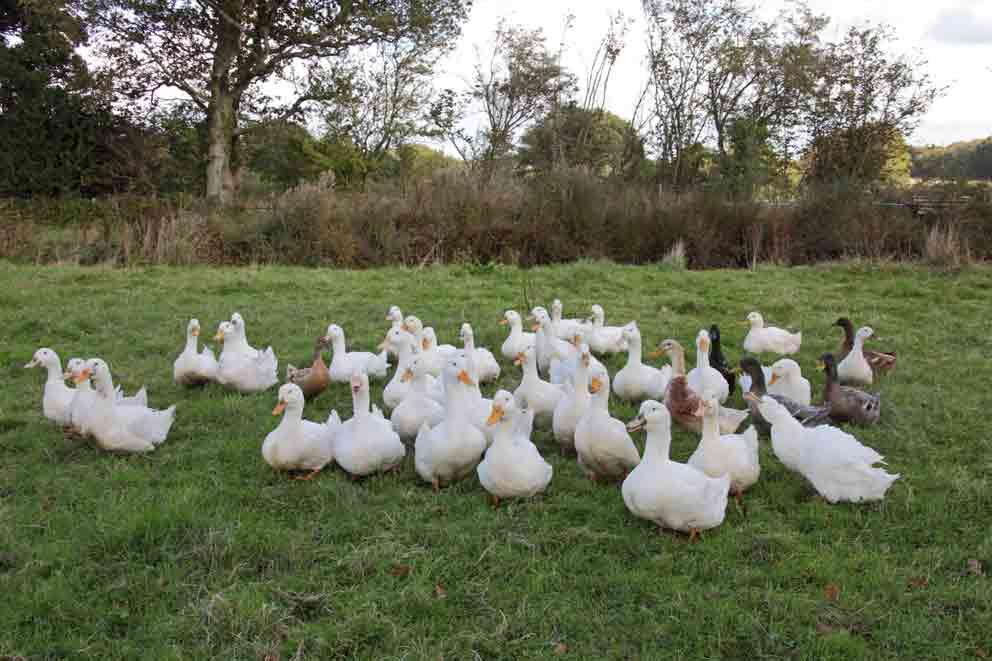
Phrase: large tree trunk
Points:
(220, 128)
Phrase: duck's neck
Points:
(405, 353)
(848, 337)
(293, 415)
(419, 384)
(516, 328)
(106, 388)
(711, 426)
(634, 350)
(678, 361)
(84, 386)
(658, 444)
(859, 344)
(360, 402)
(338, 346)
(702, 359)
(581, 382)
(503, 432)
(830, 386)
(469, 345)
(601, 399)
(191, 342)
(598, 319)
(530, 370)
(758, 385)
(318, 355)
(55, 373)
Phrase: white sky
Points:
(955, 36)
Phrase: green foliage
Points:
(422, 161)
(750, 162)
(961, 160)
(200, 550)
(573, 136)
(284, 154)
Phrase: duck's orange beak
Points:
(535, 327)
(407, 376)
(704, 345)
(495, 416)
(219, 337)
(503, 322)
(195, 332)
(773, 379)
(279, 407)
(425, 344)
(700, 410)
(519, 359)
(465, 378)
(82, 376)
(657, 353)
(595, 385)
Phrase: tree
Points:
(595, 139)
(221, 54)
(56, 125)
(864, 101)
(517, 82)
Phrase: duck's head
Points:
(396, 338)
(456, 371)
(193, 328)
(359, 382)
(708, 405)
(651, 415)
(395, 315)
(785, 369)
(597, 312)
(865, 332)
(510, 317)
(714, 334)
(43, 357)
(225, 329)
(599, 380)
(95, 369)
(703, 341)
(845, 323)
(770, 409)
(556, 308)
(466, 333)
(429, 340)
(585, 356)
(540, 317)
(413, 325)
(755, 320)
(416, 368)
(290, 396)
(238, 321)
(333, 333)
(524, 357)
(503, 408)
(827, 364)
(630, 331)
(73, 367)
(666, 348)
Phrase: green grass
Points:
(201, 551)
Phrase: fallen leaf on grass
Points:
(440, 592)
(919, 582)
(823, 628)
(975, 568)
(561, 648)
(399, 571)
(831, 592)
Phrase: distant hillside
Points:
(960, 160)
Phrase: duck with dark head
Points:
(847, 404)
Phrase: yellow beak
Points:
(425, 344)
(465, 378)
(279, 408)
(773, 379)
(407, 376)
(657, 353)
(519, 360)
(595, 385)
(535, 327)
(219, 337)
(82, 376)
(195, 332)
(495, 416)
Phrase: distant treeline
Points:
(969, 160)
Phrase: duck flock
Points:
(435, 404)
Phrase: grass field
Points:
(201, 551)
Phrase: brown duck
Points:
(881, 362)
(683, 402)
(847, 404)
(312, 380)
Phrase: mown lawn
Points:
(201, 551)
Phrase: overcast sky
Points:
(955, 36)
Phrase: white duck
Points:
(770, 339)
(83, 404)
(572, 406)
(193, 367)
(550, 348)
(417, 406)
(395, 319)
(534, 393)
(672, 495)
(787, 380)
(513, 467)
(402, 344)
(241, 366)
(838, 466)
(719, 454)
(565, 329)
(487, 369)
(855, 368)
(702, 377)
(603, 339)
(605, 450)
(453, 448)
(121, 428)
(637, 381)
(366, 443)
(518, 340)
(297, 444)
(344, 362)
(56, 400)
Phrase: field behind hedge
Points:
(201, 551)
